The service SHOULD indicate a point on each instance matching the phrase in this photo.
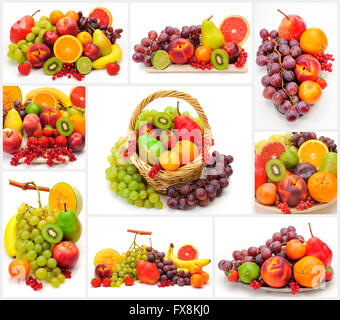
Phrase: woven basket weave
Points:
(184, 174)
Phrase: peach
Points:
(49, 116)
(67, 25)
(291, 27)
(276, 272)
(292, 189)
(307, 68)
(11, 140)
(31, 123)
(103, 271)
(37, 54)
(180, 51)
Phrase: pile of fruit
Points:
(167, 141)
(149, 266)
(285, 260)
(295, 59)
(47, 127)
(202, 46)
(67, 44)
(295, 170)
(42, 240)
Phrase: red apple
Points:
(180, 51)
(50, 37)
(91, 51)
(233, 51)
(66, 253)
(49, 116)
(67, 25)
(168, 138)
(291, 27)
(11, 140)
(307, 68)
(76, 142)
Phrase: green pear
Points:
(68, 221)
(329, 163)
(104, 44)
(13, 120)
(212, 37)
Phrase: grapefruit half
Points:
(271, 150)
(103, 16)
(235, 28)
(77, 96)
(187, 252)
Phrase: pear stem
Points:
(310, 229)
(178, 108)
(210, 17)
(283, 13)
(35, 12)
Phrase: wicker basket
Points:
(184, 174)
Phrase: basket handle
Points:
(173, 94)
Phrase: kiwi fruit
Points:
(52, 65)
(52, 233)
(162, 120)
(64, 126)
(275, 170)
(219, 59)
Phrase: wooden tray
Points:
(315, 209)
(187, 68)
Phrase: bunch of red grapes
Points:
(298, 138)
(154, 42)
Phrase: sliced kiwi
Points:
(219, 59)
(52, 65)
(162, 120)
(275, 170)
(64, 126)
(52, 233)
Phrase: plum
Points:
(305, 170)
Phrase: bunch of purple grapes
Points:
(329, 143)
(298, 138)
(4, 115)
(273, 246)
(90, 24)
(18, 106)
(202, 191)
(281, 86)
(154, 42)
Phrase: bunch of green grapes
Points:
(284, 138)
(17, 51)
(127, 182)
(127, 266)
(32, 246)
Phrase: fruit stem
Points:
(27, 185)
(65, 207)
(39, 200)
(283, 13)
(35, 12)
(178, 108)
(210, 17)
(310, 229)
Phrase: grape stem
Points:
(141, 232)
(27, 185)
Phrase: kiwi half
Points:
(52, 65)
(219, 59)
(64, 126)
(162, 120)
(52, 233)
(275, 170)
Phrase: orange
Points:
(84, 37)
(310, 91)
(68, 48)
(309, 272)
(78, 122)
(266, 194)
(103, 16)
(203, 53)
(323, 187)
(197, 281)
(313, 41)
(169, 160)
(45, 100)
(55, 15)
(19, 269)
(295, 249)
(205, 276)
(312, 151)
(187, 150)
(195, 268)
(72, 14)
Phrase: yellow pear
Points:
(13, 120)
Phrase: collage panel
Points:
(111, 178)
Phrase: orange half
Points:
(312, 151)
(68, 49)
(45, 100)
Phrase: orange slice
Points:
(103, 16)
(235, 28)
(68, 49)
(312, 151)
(45, 100)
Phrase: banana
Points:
(184, 263)
(10, 236)
(113, 57)
(58, 94)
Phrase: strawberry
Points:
(51, 142)
(38, 133)
(232, 275)
(43, 142)
(48, 131)
(61, 141)
(96, 282)
(24, 68)
(329, 274)
(106, 282)
(55, 132)
(32, 140)
(322, 83)
(129, 281)
(112, 68)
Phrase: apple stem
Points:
(283, 13)
(65, 207)
(310, 229)
(35, 12)
(178, 108)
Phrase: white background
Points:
(324, 114)
(14, 11)
(229, 114)
(111, 232)
(81, 156)
(74, 287)
(185, 14)
(333, 135)
(241, 233)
